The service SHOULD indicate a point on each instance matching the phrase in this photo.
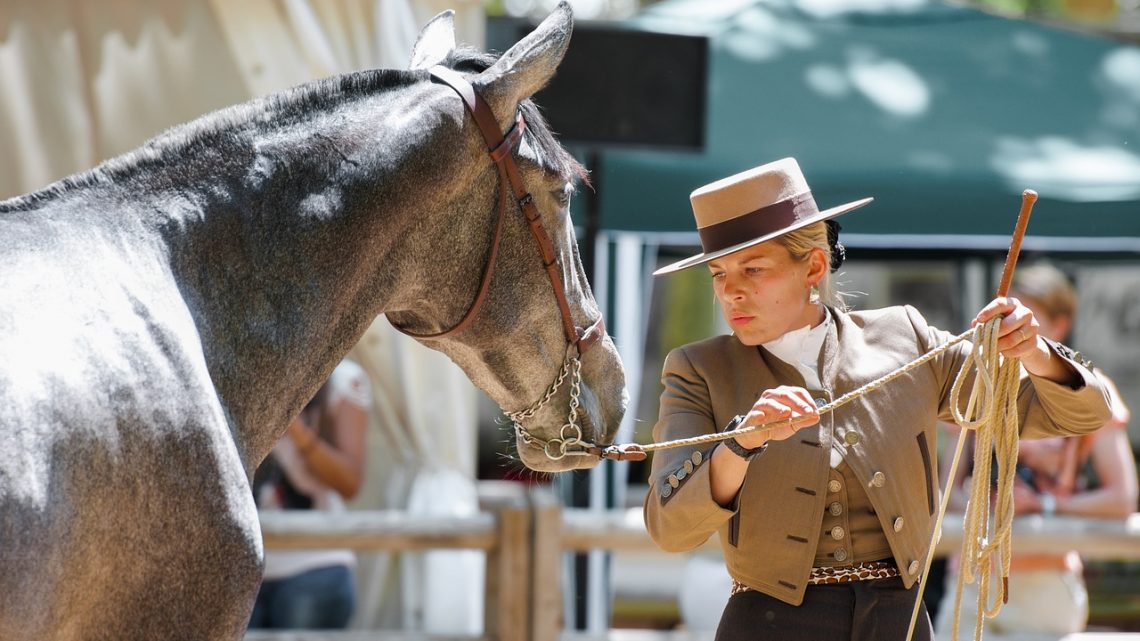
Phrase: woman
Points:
(1091, 476)
(825, 523)
(317, 465)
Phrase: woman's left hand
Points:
(1018, 337)
(1018, 332)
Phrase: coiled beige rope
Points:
(994, 420)
(991, 412)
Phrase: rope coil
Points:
(992, 413)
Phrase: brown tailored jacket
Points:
(769, 537)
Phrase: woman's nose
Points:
(732, 288)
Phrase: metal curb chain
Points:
(529, 412)
(570, 435)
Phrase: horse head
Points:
(522, 323)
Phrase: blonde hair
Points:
(1048, 286)
(800, 244)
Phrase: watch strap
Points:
(735, 447)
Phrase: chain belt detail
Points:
(841, 574)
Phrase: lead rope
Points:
(823, 409)
(991, 411)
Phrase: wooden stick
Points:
(1028, 197)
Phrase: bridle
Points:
(569, 440)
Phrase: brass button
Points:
(851, 437)
(837, 532)
(841, 554)
(878, 479)
(697, 457)
(673, 480)
(834, 485)
(687, 466)
(898, 524)
(835, 508)
(666, 491)
(912, 568)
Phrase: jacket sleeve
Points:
(1053, 409)
(680, 513)
(1045, 408)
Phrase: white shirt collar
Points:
(800, 348)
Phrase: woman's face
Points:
(764, 292)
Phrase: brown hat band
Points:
(766, 220)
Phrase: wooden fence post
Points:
(546, 565)
(507, 607)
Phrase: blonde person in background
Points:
(1092, 476)
(317, 465)
(824, 522)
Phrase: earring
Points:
(813, 297)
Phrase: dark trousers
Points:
(876, 610)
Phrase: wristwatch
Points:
(735, 447)
(1048, 504)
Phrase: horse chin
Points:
(591, 422)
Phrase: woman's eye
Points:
(718, 275)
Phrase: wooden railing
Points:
(525, 532)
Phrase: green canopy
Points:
(944, 114)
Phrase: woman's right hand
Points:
(779, 404)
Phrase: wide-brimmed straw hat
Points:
(752, 207)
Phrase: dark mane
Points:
(551, 155)
(220, 127)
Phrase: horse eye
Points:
(562, 196)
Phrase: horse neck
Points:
(279, 260)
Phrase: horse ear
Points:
(436, 40)
(529, 65)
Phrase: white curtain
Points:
(82, 81)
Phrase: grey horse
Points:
(165, 314)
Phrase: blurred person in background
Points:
(1093, 475)
(317, 465)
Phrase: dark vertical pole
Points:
(580, 493)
